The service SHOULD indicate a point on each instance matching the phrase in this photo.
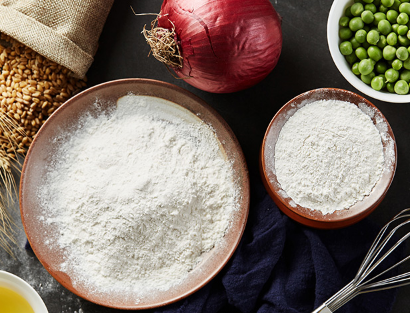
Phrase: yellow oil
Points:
(12, 302)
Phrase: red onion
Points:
(225, 45)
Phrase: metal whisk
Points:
(378, 252)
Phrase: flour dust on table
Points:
(137, 194)
(328, 156)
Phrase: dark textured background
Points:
(305, 64)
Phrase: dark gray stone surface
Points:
(305, 64)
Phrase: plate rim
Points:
(244, 185)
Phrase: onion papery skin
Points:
(226, 45)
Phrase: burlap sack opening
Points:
(64, 31)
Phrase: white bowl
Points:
(18, 285)
(336, 12)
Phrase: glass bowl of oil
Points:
(17, 296)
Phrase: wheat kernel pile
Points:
(31, 89)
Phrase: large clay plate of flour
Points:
(42, 235)
(339, 218)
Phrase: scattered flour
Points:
(138, 195)
(328, 156)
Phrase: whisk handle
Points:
(322, 309)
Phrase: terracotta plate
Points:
(65, 118)
(315, 218)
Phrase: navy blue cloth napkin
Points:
(281, 266)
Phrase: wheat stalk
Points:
(8, 161)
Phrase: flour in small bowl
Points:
(137, 195)
(328, 156)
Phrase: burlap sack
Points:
(64, 31)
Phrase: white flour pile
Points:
(138, 195)
(328, 156)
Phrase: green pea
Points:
(354, 43)
(405, 75)
(406, 64)
(344, 21)
(357, 9)
(377, 83)
(375, 53)
(396, 5)
(372, 37)
(389, 52)
(387, 3)
(391, 16)
(403, 40)
(367, 79)
(371, 7)
(391, 39)
(384, 27)
(382, 42)
(377, 2)
(360, 35)
(351, 58)
(397, 64)
(361, 53)
(405, 8)
(384, 9)
(346, 47)
(356, 23)
(367, 16)
(381, 67)
(345, 33)
(402, 19)
(378, 17)
(391, 75)
(395, 27)
(402, 53)
(366, 67)
(348, 12)
(390, 87)
(402, 30)
(401, 87)
(355, 68)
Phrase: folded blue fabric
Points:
(281, 266)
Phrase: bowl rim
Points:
(245, 185)
(20, 286)
(327, 221)
(341, 63)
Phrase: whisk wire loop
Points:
(380, 249)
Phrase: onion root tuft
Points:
(163, 44)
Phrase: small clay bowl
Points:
(39, 233)
(315, 218)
